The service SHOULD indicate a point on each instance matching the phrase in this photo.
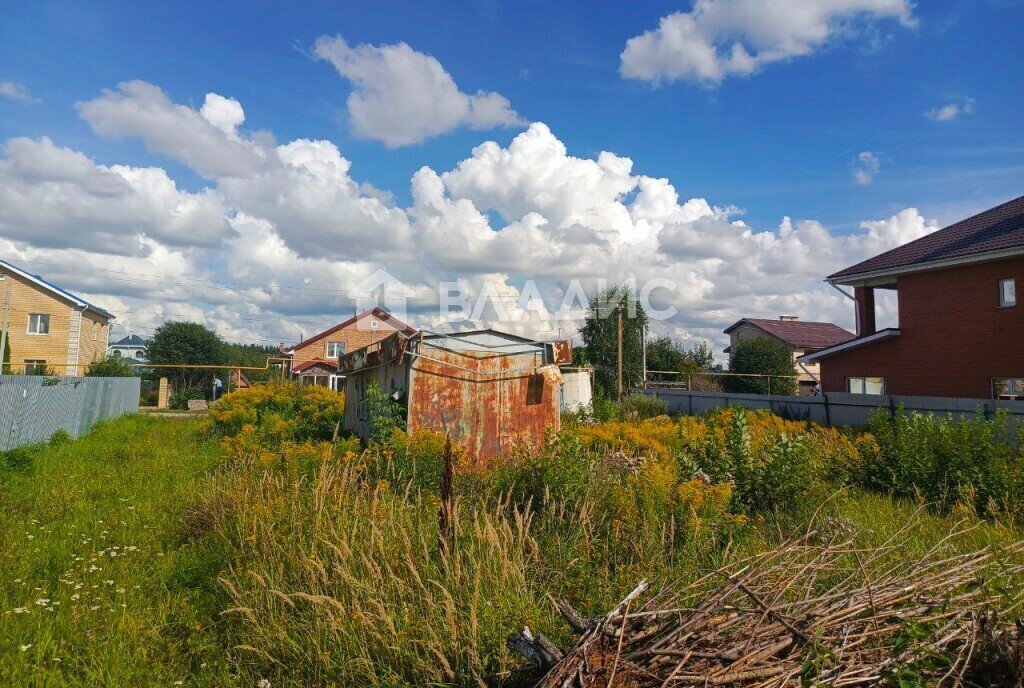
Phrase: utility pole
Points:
(3, 332)
(643, 344)
(620, 351)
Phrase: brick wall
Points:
(355, 336)
(954, 336)
(95, 333)
(28, 298)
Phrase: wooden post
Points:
(620, 351)
(162, 397)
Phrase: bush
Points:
(60, 438)
(281, 413)
(21, 458)
(946, 460)
(111, 367)
(179, 400)
(642, 407)
(383, 413)
(762, 356)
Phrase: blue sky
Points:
(779, 142)
(785, 140)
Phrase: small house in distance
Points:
(131, 348)
(802, 337)
(315, 360)
(489, 391)
(960, 330)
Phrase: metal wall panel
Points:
(33, 407)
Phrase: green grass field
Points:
(143, 555)
(107, 572)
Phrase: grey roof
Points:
(130, 340)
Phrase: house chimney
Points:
(789, 317)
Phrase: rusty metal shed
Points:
(489, 390)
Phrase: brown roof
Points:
(997, 229)
(303, 367)
(376, 310)
(800, 333)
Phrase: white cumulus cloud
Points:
(9, 89)
(274, 243)
(722, 38)
(54, 196)
(866, 165)
(401, 96)
(952, 110)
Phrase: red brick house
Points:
(315, 360)
(961, 315)
(801, 336)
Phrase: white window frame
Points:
(1007, 302)
(336, 383)
(337, 354)
(35, 362)
(1016, 388)
(40, 319)
(863, 380)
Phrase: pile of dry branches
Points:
(764, 622)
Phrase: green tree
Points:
(252, 356)
(762, 356)
(111, 367)
(600, 336)
(702, 356)
(665, 353)
(188, 343)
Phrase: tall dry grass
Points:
(336, 582)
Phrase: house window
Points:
(865, 385)
(38, 323)
(1007, 293)
(1011, 388)
(35, 366)
(335, 349)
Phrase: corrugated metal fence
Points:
(835, 408)
(33, 407)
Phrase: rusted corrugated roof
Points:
(802, 334)
(998, 229)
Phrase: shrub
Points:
(298, 413)
(114, 366)
(383, 413)
(641, 407)
(762, 356)
(560, 470)
(179, 400)
(604, 408)
(947, 460)
(60, 438)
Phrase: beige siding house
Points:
(50, 329)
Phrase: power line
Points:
(132, 278)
